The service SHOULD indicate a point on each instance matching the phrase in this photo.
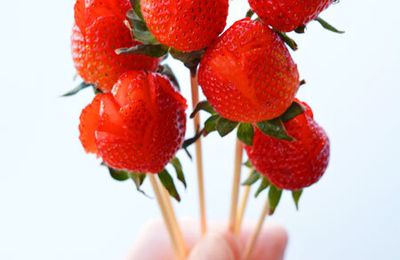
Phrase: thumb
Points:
(213, 246)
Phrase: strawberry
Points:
(139, 126)
(185, 25)
(247, 74)
(287, 15)
(86, 12)
(89, 121)
(94, 52)
(292, 165)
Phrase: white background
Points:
(58, 203)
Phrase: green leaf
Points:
(190, 59)
(144, 37)
(136, 21)
(167, 71)
(300, 29)
(77, 89)
(294, 110)
(179, 172)
(289, 41)
(188, 153)
(248, 164)
(97, 91)
(133, 3)
(136, 7)
(245, 133)
(264, 184)
(274, 128)
(296, 197)
(225, 126)
(210, 125)
(156, 51)
(138, 179)
(274, 196)
(138, 26)
(249, 13)
(253, 178)
(169, 184)
(192, 140)
(327, 26)
(118, 175)
(202, 105)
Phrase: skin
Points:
(153, 242)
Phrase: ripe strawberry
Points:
(139, 126)
(86, 12)
(94, 52)
(292, 165)
(248, 74)
(185, 25)
(287, 15)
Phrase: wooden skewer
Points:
(166, 217)
(254, 236)
(199, 155)
(175, 226)
(242, 209)
(236, 185)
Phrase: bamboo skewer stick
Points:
(199, 155)
(166, 217)
(242, 209)
(175, 226)
(254, 236)
(236, 185)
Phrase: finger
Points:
(153, 241)
(271, 243)
(146, 243)
(213, 246)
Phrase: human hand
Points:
(153, 242)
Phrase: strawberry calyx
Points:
(274, 193)
(164, 176)
(287, 40)
(284, 37)
(81, 86)
(328, 26)
(245, 131)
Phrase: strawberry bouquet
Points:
(137, 120)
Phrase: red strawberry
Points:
(94, 52)
(139, 127)
(248, 74)
(86, 12)
(292, 165)
(185, 25)
(89, 123)
(287, 15)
